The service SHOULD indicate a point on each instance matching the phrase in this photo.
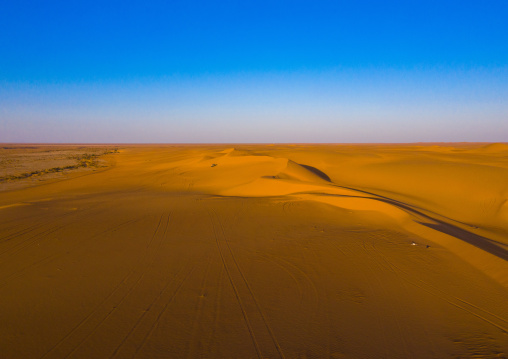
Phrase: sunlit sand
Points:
(259, 251)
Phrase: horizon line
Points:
(244, 143)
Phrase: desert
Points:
(253, 179)
(254, 251)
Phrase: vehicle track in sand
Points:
(99, 314)
(485, 315)
(50, 228)
(61, 252)
(259, 328)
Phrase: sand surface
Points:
(261, 251)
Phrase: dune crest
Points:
(242, 173)
(301, 172)
(495, 147)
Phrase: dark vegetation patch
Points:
(86, 160)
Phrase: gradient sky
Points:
(253, 71)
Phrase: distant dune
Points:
(261, 251)
(495, 147)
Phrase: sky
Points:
(253, 71)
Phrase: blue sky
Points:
(253, 71)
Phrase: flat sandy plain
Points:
(260, 251)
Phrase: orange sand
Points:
(258, 251)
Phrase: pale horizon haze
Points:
(255, 72)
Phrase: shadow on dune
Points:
(476, 240)
(471, 238)
(317, 172)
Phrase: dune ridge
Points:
(477, 226)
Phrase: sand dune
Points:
(494, 148)
(258, 251)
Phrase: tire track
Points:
(41, 221)
(197, 319)
(19, 221)
(87, 318)
(235, 289)
(155, 232)
(165, 230)
(49, 259)
(216, 310)
(140, 275)
(34, 228)
(264, 330)
(149, 310)
(105, 318)
(134, 275)
(16, 248)
(483, 314)
(294, 273)
(26, 245)
(374, 266)
(161, 313)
